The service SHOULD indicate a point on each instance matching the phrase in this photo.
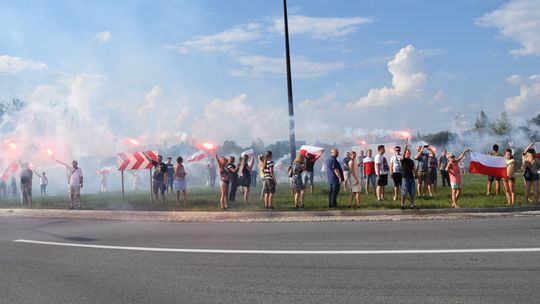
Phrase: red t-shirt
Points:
(369, 165)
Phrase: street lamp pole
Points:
(289, 84)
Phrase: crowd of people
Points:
(413, 174)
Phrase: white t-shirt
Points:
(382, 163)
(395, 161)
(43, 180)
(75, 176)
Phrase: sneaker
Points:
(403, 207)
(413, 207)
(301, 205)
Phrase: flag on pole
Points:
(488, 165)
(313, 150)
(197, 156)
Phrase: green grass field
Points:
(204, 199)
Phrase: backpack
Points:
(290, 171)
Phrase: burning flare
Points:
(131, 141)
(50, 152)
(208, 146)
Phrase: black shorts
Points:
(492, 178)
(382, 180)
(397, 178)
(159, 187)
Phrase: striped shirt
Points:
(267, 167)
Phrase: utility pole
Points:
(289, 84)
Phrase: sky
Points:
(93, 72)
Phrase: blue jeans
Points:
(332, 195)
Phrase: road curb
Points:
(274, 216)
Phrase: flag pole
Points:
(289, 84)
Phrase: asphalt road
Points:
(38, 273)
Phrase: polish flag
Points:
(12, 168)
(197, 156)
(488, 165)
(249, 153)
(104, 171)
(313, 150)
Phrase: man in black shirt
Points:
(409, 173)
(26, 184)
(159, 178)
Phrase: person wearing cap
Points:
(455, 176)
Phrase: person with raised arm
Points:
(455, 176)
(75, 182)
(245, 168)
(43, 182)
(224, 181)
(159, 178)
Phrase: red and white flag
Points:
(12, 168)
(197, 156)
(313, 150)
(488, 165)
(249, 153)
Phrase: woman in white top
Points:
(354, 182)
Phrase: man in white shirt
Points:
(381, 170)
(75, 177)
(395, 171)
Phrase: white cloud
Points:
(320, 27)
(514, 79)
(262, 66)
(236, 118)
(103, 37)
(407, 81)
(529, 96)
(12, 65)
(151, 100)
(223, 41)
(517, 20)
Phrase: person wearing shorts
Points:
(309, 173)
(369, 171)
(407, 184)
(26, 185)
(159, 178)
(269, 187)
(180, 181)
(490, 179)
(455, 176)
(75, 177)
(531, 168)
(381, 170)
(422, 157)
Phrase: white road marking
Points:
(306, 252)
